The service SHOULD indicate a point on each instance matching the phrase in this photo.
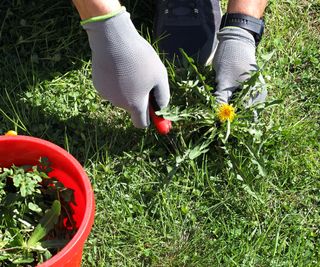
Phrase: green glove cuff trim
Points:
(103, 17)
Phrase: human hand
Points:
(233, 61)
(125, 67)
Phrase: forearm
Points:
(92, 8)
(254, 8)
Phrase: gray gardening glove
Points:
(234, 59)
(125, 67)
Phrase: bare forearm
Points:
(254, 8)
(92, 8)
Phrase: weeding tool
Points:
(162, 125)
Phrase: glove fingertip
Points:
(140, 114)
(140, 119)
(161, 95)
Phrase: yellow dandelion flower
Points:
(226, 112)
(11, 133)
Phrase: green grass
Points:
(219, 209)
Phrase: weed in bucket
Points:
(36, 215)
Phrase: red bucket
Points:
(21, 150)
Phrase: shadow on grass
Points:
(85, 137)
(39, 40)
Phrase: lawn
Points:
(205, 196)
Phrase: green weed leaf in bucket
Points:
(46, 224)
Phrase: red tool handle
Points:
(162, 125)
